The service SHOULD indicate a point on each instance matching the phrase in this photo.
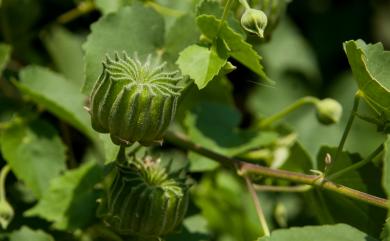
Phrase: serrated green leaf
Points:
(25, 233)
(339, 232)
(57, 95)
(238, 48)
(70, 202)
(35, 153)
(65, 50)
(5, 52)
(212, 7)
(202, 64)
(131, 29)
(371, 68)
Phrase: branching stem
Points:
(249, 168)
(356, 165)
(225, 15)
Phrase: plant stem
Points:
(245, 4)
(81, 9)
(299, 103)
(267, 188)
(3, 175)
(121, 157)
(225, 14)
(259, 210)
(356, 165)
(164, 10)
(349, 125)
(247, 168)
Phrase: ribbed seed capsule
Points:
(134, 101)
(145, 201)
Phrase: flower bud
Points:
(145, 201)
(328, 111)
(134, 101)
(254, 21)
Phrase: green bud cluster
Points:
(134, 101)
(145, 201)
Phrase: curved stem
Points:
(225, 15)
(357, 165)
(259, 210)
(3, 175)
(248, 168)
(81, 9)
(349, 125)
(294, 106)
(245, 4)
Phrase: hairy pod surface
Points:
(254, 21)
(145, 201)
(134, 101)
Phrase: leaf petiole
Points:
(294, 106)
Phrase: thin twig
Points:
(268, 188)
(81, 9)
(259, 209)
(249, 168)
(357, 165)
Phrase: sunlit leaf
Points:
(238, 48)
(371, 68)
(202, 64)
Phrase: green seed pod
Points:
(254, 21)
(134, 101)
(274, 9)
(145, 201)
(328, 111)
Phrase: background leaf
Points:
(35, 153)
(339, 232)
(5, 52)
(25, 233)
(65, 49)
(121, 31)
(57, 95)
(70, 202)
